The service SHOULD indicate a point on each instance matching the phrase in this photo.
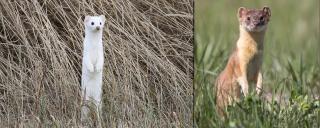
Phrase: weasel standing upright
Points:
(245, 62)
(92, 62)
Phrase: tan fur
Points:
(244, 64)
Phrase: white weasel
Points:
(92, 62)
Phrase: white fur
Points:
(252, 28)
(92, 62)
(259, 83)
(242, 80)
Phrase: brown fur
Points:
(245, 62)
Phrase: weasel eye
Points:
(100, 23)
(261, 18)
(248, 18)
(92, 23)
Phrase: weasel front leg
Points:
(259, 83)
(88, 64)
(99, 65)
(242, 79)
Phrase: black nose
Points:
(98, 28)
(258, 23)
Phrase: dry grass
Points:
(148, 66)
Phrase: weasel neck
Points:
(94, 35)
(251, 38)
(94, 38)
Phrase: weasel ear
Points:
(103, 18)
(86, 19)
(267, 11)
(241, 12)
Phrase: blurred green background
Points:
(291, 51)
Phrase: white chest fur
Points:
(93, 49)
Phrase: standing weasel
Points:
(92, 62)
(244, 64)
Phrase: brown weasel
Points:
(244, 64)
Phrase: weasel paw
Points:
(99, 68)
(91, 68)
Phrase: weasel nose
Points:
(98, 28)
(258, 23)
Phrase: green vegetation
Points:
(291, 78)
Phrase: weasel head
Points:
(94, 23)
(254, 20)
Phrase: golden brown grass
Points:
(148, 66)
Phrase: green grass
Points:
(290, 68)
